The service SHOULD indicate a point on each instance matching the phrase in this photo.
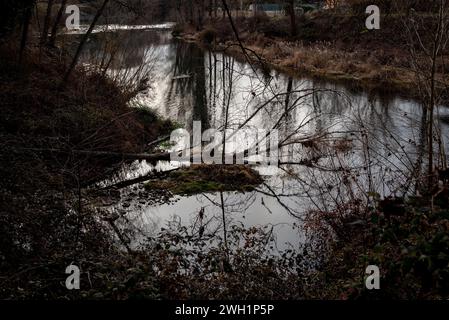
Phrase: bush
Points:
(208, 35)
(9, 13)
(393, 6)
(403, 237)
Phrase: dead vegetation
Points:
(328, 44)
(45, 223)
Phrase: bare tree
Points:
(84, 40)
(27, 10)
(54, 30)
(47, 19)
(427, 48)
(291, 12)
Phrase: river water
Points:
(337, 143)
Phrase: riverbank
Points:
(48, 220)
(46, 223)
(406, 237)
(327, 46)
(48, 217)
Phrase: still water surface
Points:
(337, 143)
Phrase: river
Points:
(338, 144)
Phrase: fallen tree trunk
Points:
(152, 175)
(118, 155)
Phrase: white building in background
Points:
(270, 9)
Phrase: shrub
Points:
(392, 6)
(208, 35)
(9, 12)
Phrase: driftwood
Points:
(162, 156)
(152, 175)
(180, 77)
(155, 142)
(118, 155)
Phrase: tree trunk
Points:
(54, 30)
(27, 13)
(83, 41)
(435, 52)
(291, 10)
(107, 154)
(47, 19)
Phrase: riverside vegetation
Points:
(327, 44)
(47, 222)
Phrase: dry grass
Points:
(329, 46)
(324, 60)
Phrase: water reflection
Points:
(335, 144)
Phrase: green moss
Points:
(208, 178)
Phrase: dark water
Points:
(338, 144)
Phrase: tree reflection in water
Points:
(336, 145)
